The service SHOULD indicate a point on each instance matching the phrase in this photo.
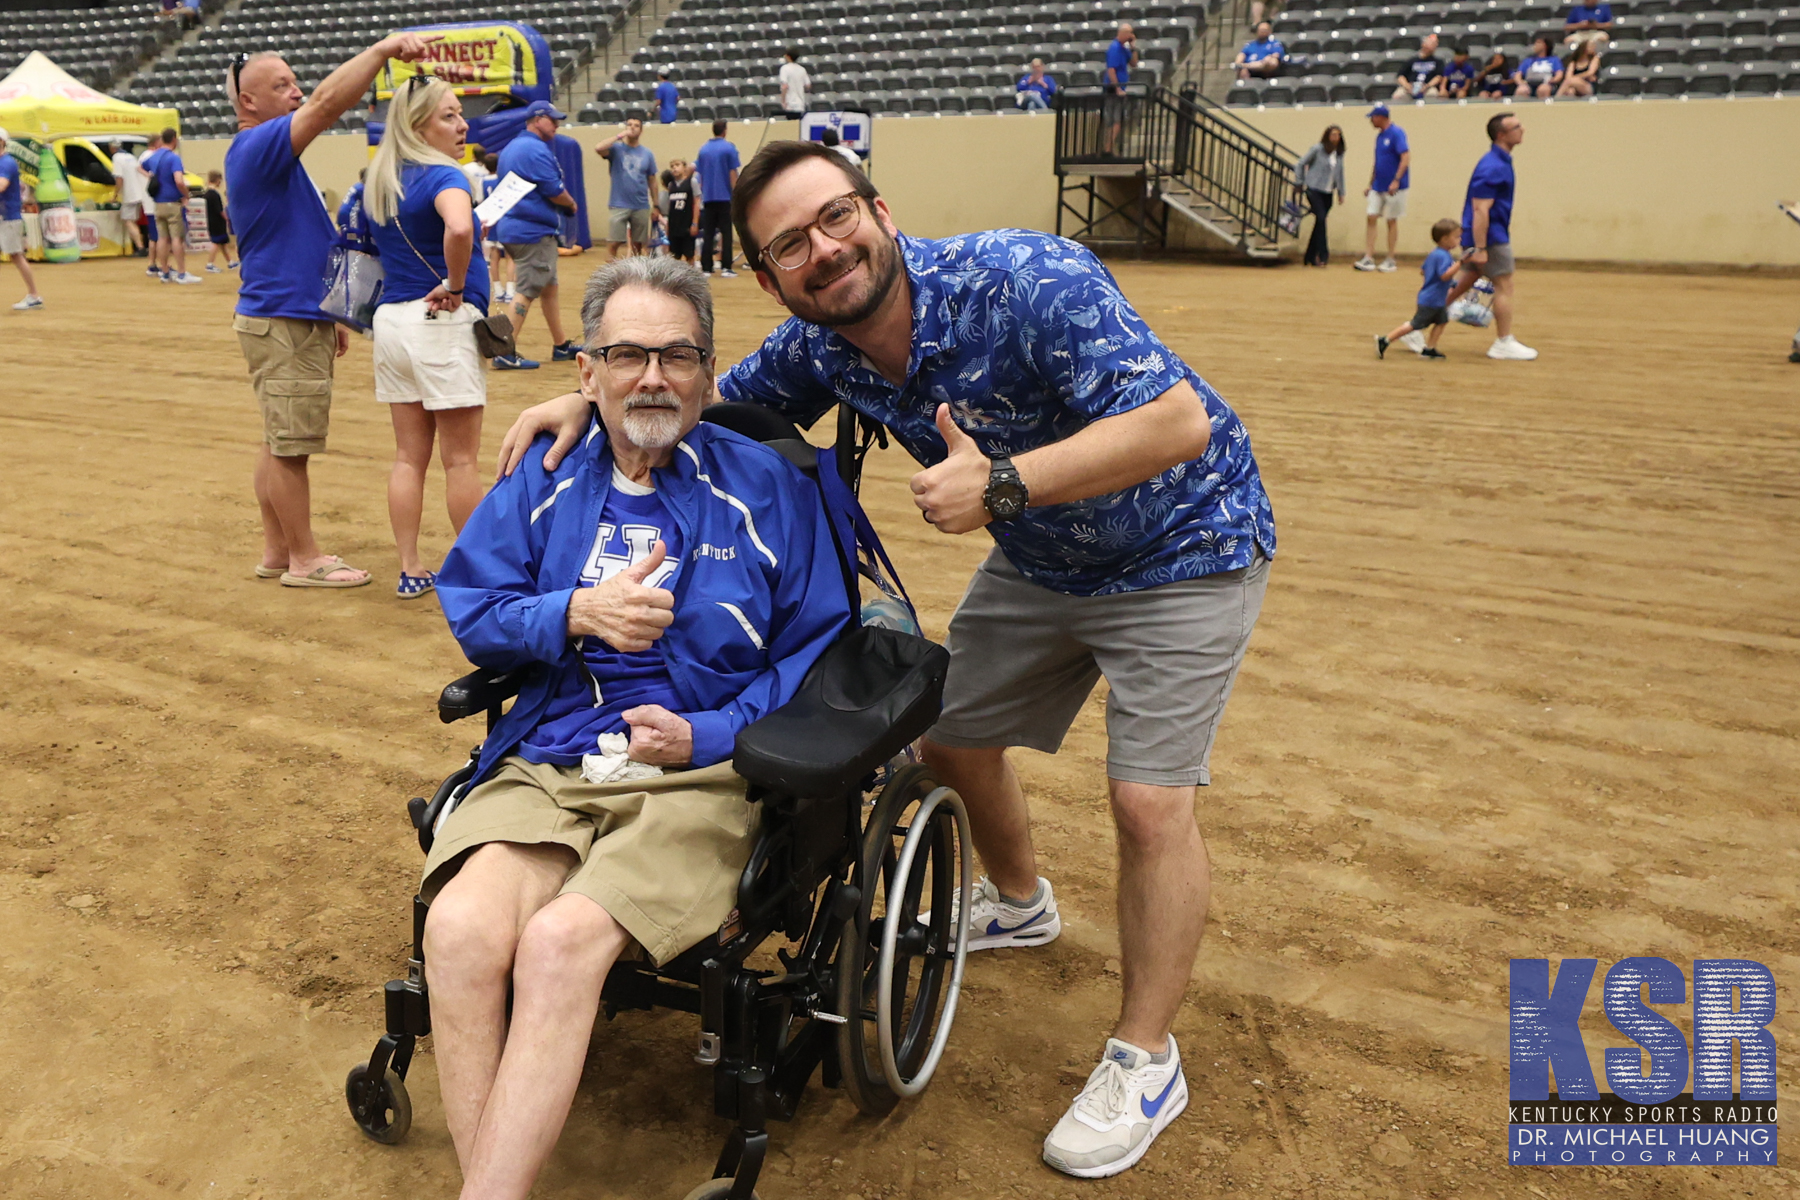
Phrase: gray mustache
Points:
(649, 400)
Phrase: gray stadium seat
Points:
(1760, 79)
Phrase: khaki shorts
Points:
(633, 221)
(535, 266)
(1391, 207)
(171, 220)
(1024, 658)
(662, 856)
(291, 363)
(1499, 261)
(429, 360)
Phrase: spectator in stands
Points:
(1588, 24)
(1321, 172)
(1423, 74)
(427, 369)
(1388, 181)
(1035, 88)
(1121, 56)
(633, 188)
(1262, 57)
(218, 226)
(1584, 71)
(718, 165)
(1459, 76)
(794, 83)
(668, 98)
(12, 226)
(1487, 233)
(1494, 80)
(128, 179)
(1539, 73)
(829, 138)
(169, 188)
(682, 211)
(529, 231)
(284, 236)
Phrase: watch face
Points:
(1006, 498)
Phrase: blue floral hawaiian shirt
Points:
(1028, 338)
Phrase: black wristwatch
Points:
(1006, 495)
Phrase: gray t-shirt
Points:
(632, 167)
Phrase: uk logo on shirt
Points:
(618, 546)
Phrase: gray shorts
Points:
(633, 221)
(12, 237)
(535, 266)
(1024, 658)
(1499, 261)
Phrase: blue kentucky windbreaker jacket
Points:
(759, 598)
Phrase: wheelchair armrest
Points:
(868, 697)
(478, 691)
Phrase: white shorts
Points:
(130, 211)
(12, 237)
(433, 361)
(1383, 205)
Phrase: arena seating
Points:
(1659, 47)
(98, 45)
(316, 38)
(899, 57)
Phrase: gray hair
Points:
(670, 276)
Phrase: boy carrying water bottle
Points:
(1433, 312)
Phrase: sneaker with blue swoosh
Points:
(1127, 1101)
(995, 924)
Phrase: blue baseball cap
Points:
(1380, 110)
(543, 108)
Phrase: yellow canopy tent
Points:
(44, 104)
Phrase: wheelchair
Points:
(857, 839)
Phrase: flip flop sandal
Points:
(413, 586)
(263, 572)
(317, 577)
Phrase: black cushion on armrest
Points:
(478, 691)
(871, 694)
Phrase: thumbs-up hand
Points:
(950, 494)
(622, 611)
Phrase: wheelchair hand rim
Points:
(884, 1017)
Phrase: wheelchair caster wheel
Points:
(381, 1110)
(715, 1189)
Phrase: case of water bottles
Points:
(1476, 306)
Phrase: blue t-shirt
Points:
(1458, 73)
(1118, 57)
(1492, 180)
(632, 167)
(666, 97)
(1258, 50)
(1045, 87)
(284, 233)
(1540, 68)
(716, 161)
(11, 198)
(1436, 292)
(406, 277)
(165, 171)
(631, 521)
(1390, 144)
(1599, 13)
(533, 218)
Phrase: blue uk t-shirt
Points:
(1492, 180)
(1457, 73)
(284, 233)
(407, 278)
(632, 167)
(1390, 144)
(1436, 292)
(631, 521)
(533, 218)
(163, 175)
(1256, 51)
(1028, 339)
(715, 162)
(666, 98)
(11, 198)
(1119, 59)
(1599, 13)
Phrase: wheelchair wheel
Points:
(381, 1110)
(898, 975)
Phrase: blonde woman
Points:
(427, 369)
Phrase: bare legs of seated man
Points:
(507, 1088)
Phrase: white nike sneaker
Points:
(1365, 263)
(1388, 264)
(994, 924)
(1126, 1102)
(1510, 347)
(186, 277)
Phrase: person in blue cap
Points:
(529, 229)
(668, 97)
(1388, 182)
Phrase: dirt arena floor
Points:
(1526, 684)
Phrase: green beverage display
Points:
(56, 212)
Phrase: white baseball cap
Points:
(2, 135)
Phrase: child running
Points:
(1433, 313)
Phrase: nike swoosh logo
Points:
(995, 926)
(1150, 1109)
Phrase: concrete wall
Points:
(1658, 181)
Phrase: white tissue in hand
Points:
(609, 764)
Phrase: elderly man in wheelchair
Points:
(671, 601)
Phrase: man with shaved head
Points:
(284, 235)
